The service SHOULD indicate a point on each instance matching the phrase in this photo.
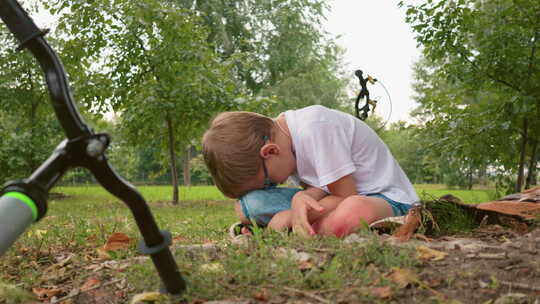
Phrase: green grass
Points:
(150, 193)
(211, 193)
(265, 265)
(200, 193)
(80, 224)
(430, 192)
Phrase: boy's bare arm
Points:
(329, 204)
(307, 205)
(316, 193)
(343, 187)
(283, 219)
(302, 203)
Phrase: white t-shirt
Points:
(330, 144)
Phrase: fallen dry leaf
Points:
(403, 277)
(147, 297)
(305, 265)
(117, 241)
(103, 254)
(433, 282)
(261, 295)
(412, 222)
(426, 253)
(53, 274)
(46, 293)
(90, 283)
(381, 292)
(179, 238)
(212, 267)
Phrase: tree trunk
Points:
(470, 178)
(187, 171)
(172, 155)
(519, 182)
(531, 174)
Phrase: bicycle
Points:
(24, 202)
(369, 104)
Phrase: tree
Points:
(149, 59)
(270, 38)
(278, 48)
(408, 149)
(490, 46)
(320, 83)
(460, 127)
(166, 80)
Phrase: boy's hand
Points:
(301, 205)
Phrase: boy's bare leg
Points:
(350, 213)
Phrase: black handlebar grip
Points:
(17, 212)
(18, 21)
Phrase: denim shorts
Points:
(398, 208)
(261, 205)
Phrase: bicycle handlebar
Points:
(17, 212)
(82, 148)
(18, 21)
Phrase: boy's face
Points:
(277, 165)
(278, 169)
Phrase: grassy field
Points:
(78, 226)
(428, 192)
(201, 193)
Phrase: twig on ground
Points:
(520, 285)
(78, 292)
(321, 250)
(489, 256)
(307, 294)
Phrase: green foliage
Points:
(156, 68)
(478, 82)
(409, 150)
(28, 128)
(441, 217)
(11, 294)
(278, 49)
(167, 67)
(271, 40)
(200, 174)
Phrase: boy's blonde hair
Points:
(231, 149)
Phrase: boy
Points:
(330, 152)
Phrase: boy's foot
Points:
(238, 228)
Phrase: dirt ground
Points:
(494, 265)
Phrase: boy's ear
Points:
(269, 149)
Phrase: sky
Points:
(379, 42)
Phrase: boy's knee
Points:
(351, 214)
